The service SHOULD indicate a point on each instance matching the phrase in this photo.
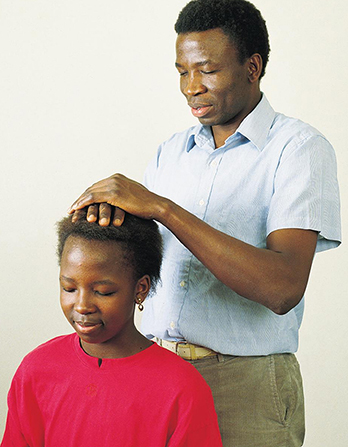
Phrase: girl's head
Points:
(139, 239)
(104, 271)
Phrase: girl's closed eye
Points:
(98, 292)
(68, 289)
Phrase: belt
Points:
(187, 351)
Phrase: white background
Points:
(88, 88)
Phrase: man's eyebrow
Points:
(197, 64)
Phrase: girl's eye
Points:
(68, 290)
(104, 293)
(209, 72)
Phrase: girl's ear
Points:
(142, 289)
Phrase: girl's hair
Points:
(139, 238)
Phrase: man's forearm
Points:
(275, 277)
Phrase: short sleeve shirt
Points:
(273, 173)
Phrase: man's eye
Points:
(183, 73)
(208, 71)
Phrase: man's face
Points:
(212, 79)
(97, 293)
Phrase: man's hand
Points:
(104, 213)
(120, 192)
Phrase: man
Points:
(245, 199)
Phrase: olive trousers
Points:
(259, 400)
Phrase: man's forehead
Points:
(202, 36)
(205, 45)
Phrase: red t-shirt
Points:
(61, 397)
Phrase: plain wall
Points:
(89, 88)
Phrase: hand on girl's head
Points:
(104, 213)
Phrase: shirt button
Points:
(182, 284)
(213, 163)
(201, 202)
(172, 325)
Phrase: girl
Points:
(106, 384)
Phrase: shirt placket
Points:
(199, 208)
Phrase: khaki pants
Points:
(259, 400)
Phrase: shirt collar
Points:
(255, 127)
(200, 136)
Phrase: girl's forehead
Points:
(78, 250)
(89, 262)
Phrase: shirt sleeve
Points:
(194, 420)
(306, 193)
(24, 425)
(13, 436)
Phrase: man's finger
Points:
(86, 199)
(79, 214)
(104, 214)
(118, 217)
(92, 213)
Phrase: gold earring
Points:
(140, 305)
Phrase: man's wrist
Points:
(164, 211)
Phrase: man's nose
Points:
(192, 85)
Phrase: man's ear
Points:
(142, 289)
(255, 65)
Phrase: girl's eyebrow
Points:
(66, 278)
(102, 282)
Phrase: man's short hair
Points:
(139, 238)
(238, 19)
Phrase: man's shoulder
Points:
(294, 128)
(266, 126)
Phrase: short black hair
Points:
(240, 20)
(140, 239)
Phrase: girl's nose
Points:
(84, 303)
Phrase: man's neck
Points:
(222, 132)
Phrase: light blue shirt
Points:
(274, 172)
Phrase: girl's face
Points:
(97, 294)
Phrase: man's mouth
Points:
(200, 111)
